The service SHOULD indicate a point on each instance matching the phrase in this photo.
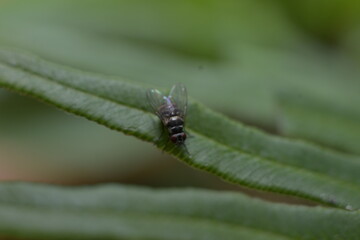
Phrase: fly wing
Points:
(178, 96)
(156, 100)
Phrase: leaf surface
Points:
(217, 144)
(116, 212)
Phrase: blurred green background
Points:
(288, 67)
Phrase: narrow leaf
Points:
(117, 212)
(217, 144)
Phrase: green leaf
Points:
(37, 137)
(325, 122)
(110, 37)
(217, 144)
(117, 212)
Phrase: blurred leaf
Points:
(328, 20)
(195, 28)
(324, 122)
(118, 212)
(253, 51)
(350, 43)
(219, 145)
(39, 143)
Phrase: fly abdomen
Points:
(175, 125)
(177, 129)
(174, 121)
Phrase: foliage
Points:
(119, 212)
(247, 59)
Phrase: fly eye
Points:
(184, 136)
(173, 138)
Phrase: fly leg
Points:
(156, 128)
(162, 141)
(162, 135)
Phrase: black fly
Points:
(171, 110)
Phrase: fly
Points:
(171, 110)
